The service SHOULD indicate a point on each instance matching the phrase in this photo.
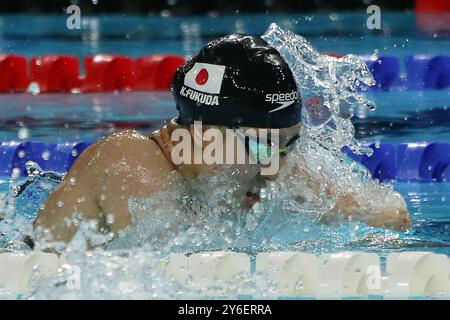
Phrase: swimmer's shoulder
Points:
(128, 147)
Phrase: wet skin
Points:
(128, 164)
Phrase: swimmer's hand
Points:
(392, 214)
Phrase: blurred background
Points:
(188, 7)
(408, 53)
(38, 27)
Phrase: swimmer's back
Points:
(105, 175)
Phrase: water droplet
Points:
(34, 88)
(23, 133)
(109, 219)
(15, 173)
(74, 152)
(81, 199)
(46, 155)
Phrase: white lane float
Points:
(448, 270)
(417, 274)
(349, 274)
(174, 267)
(293, 273)
(20, 270)
(218, 272)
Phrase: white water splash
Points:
(328, 87)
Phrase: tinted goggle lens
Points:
(289, 146)
(262, 152)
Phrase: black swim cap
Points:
(237, 80)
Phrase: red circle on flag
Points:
(202, 77)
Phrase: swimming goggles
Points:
(261, 152)
(289, 146)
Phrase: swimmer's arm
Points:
(106, 175)
(356, 206)
(133, 168)
(75, 194)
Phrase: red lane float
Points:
(433, 15)
(55, 73)
(108, 73)
(432, 6)
(13, 73)
(155, 72)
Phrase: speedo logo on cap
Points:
(205, 77)
(284, 100)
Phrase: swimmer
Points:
(237, 81)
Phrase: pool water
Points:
(411, 116)
(342, 32)
(428, 204)
(399, 117)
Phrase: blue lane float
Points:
(64, 155)
(382, 164)
(409, 162)
(424, 162)
(438, 73)
(435, 162)
(421, 72)
(416, 67)
(49, 156)
(385, 71)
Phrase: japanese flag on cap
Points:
(205, 77)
